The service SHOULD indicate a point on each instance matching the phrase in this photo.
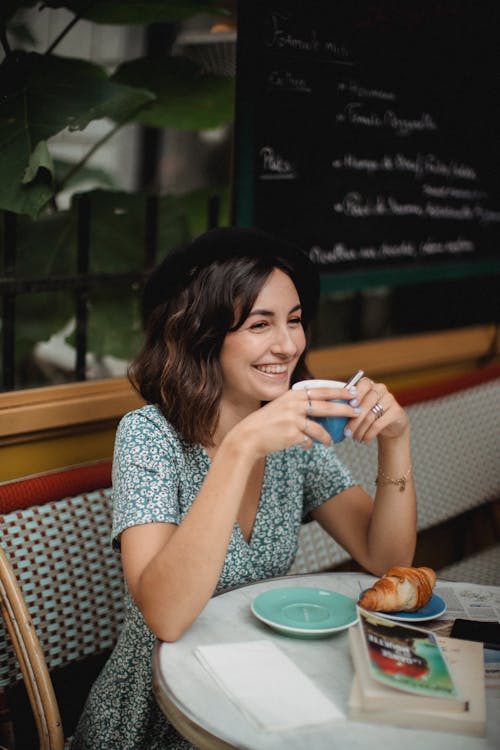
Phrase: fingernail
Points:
(353, 390)
(353, 402)
(348, 432)
(357, 410)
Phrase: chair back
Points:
(70, 579)
(30, 658)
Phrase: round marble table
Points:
(202, 712)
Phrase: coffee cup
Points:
(333, 425)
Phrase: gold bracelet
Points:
(401, 481)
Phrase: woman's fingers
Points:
(377, 417)
(291, 419)
(301, 408)
(381, 413)
(370, 408)
(314, 431)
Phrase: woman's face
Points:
(258, 359)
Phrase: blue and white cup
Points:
(333, 425)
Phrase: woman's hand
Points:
(287, 420)
(381, 415)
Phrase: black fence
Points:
(80, 284)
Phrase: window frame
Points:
(27, 414)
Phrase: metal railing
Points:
(80, 284)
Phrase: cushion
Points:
(70, 576)
(53, 485)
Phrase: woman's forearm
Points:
(180, 578)
(392, 529)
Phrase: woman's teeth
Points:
(272, 369)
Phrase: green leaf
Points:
(46, 93)
(117, 232)
(45, 246)
(114, 325)
(42, 96)
(95, 175)
(193, 206)
(38, 317)
(27, 199)
(185, 97)
(40, 158)
(136, 12)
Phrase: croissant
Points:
(400, 589)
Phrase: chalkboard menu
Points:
(369, 131)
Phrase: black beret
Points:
(177, 269)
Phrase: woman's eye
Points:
(259, 326)
(295, 321)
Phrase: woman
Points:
(213, 477)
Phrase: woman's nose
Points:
(284, 342)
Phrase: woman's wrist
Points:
(238, 445)
(394, 459)
(398, 481)
(393, 442)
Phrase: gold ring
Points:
(378, 410)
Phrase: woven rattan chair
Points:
(62, 600)
(31, 659)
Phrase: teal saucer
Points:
(305, 612)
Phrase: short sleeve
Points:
(146, 471)
(325, 476)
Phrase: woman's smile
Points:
(259, 357)
(273, 370)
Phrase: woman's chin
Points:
(274, 390)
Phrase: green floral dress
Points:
(156, 478)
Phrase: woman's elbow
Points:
(165, 630)
(169, 635)
(379, 565)
(164, 625)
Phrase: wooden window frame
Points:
(29, 414)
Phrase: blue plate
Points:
(434, 608)
(304, 612)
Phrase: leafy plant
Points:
(44, 94)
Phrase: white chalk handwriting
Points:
(342, 253)
(356, 89)
(275, 166)
(356, 113)
(279, 37)
(283, 80)
(357, 206)
(419, 165)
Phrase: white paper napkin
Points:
(266, 685)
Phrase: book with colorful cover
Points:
(407, 660)
(466, 660)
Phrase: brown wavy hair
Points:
(189, 305)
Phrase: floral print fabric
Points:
(156, 478)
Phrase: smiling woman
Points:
(198, 295)
(213, 478)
